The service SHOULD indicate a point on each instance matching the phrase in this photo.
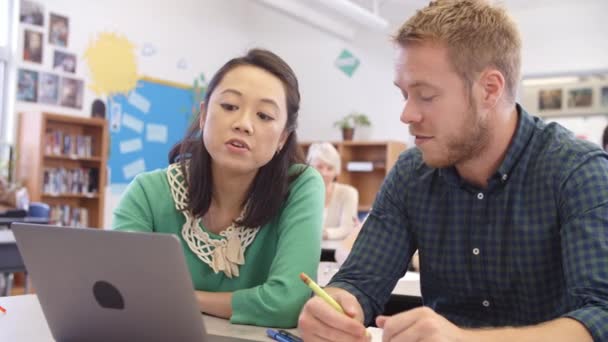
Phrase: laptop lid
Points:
(102, 285)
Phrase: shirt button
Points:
(476, 251)
(504, 177)
(480, 195)
(485, 303)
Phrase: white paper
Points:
(132, 145)
(139, 102)
(376, 334)
(133, 169)
(156, 133)
(115, 116)
(359, 166)
(132, 123)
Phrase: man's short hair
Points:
(477, 35)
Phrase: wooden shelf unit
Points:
(34, 157)
(382, 155)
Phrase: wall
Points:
(205, 33)
(563, 36)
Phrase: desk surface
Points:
(409, 285)
(330, 244)
(5, 221)
(24, 321)
(7, 237)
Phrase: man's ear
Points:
(202, 115)
(492, 83)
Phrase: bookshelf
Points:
(364, 165)
(62, 161)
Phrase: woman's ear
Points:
(202, 115)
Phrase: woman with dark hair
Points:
(248, 212)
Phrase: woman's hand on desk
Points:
(419, 324)
(320, 322)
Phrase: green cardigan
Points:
(268, 291)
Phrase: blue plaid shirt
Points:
(530, 247)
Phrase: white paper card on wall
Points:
(133, 169)
(156, 133)
(139, 102)
(132, 122)
(132, 145)
(115, 116)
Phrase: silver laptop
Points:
(101, 285)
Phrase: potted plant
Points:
(349, 122)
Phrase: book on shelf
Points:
(60, 180)
(65, 215)
(59, 143)
(360, 166)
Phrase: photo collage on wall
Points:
(50, 79)
(585, 95)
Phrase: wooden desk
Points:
(24, 321)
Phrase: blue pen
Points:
(290, 335)
(277, 336)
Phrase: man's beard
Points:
(468, 142)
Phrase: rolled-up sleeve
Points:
(584, 211)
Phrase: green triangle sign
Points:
(347, 63)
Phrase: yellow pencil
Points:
(321, 293)
(326, 297)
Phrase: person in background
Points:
(341, 200)
(237, 194)
(509, 213)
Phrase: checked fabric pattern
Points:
(530, 247)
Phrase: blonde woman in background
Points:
(341, 200)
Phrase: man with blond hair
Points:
(509, 214)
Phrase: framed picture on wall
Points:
(550, 99)
(604, 96)
(31, 13)
(580, 98)
(63, 61)
(48, 88)
(32, 46)
(59, 30)
(27, 85)
(71, 92)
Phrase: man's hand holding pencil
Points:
(322, 321)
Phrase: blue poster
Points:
(144, 125)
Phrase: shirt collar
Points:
(523, 133)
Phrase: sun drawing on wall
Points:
(146, 116)
(111, 60)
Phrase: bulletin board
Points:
(144, 125)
